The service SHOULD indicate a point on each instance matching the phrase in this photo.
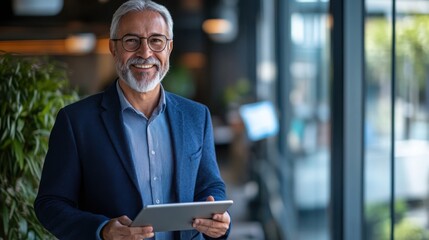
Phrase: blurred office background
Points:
(320, 107)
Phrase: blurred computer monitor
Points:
(260, 120)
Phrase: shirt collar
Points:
(125, 104)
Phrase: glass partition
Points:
(378, 121)
(412, 121)
(407, 111)
(306, 125)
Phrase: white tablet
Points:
(178, 216)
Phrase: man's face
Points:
(142, 69)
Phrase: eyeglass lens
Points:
(156, 43)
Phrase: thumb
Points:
(124, 220)
(210, 198)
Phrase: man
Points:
(132, 145)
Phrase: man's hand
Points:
(215, 227)
(118, 229)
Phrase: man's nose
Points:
(144, 49)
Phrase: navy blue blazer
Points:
(88, 176)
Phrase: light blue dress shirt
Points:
(151, 148)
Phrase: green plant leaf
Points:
(5, 217)
(19, 153)
(33, 89)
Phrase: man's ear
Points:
(112, 48)
(170, 47)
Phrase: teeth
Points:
(143, 66)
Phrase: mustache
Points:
(141, 61)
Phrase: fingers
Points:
(145, 231)
(210, 228)
(224, 217)
(210, 198)
(215, 227)
(118, 228)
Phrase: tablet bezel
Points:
(178, 216)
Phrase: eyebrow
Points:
(150, 34)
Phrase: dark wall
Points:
(233, 61)
(223, 63)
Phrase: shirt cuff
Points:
(98, 233)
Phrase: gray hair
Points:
(140, 5)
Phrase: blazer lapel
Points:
(112, 119)
(175, 118)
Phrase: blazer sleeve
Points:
(56, 202)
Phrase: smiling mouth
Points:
(143, 66)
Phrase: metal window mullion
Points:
(392, 137)
(353, 118)
(347, 119)
(337, 121)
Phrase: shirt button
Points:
(157, 201)
(153, 152)
(155, 178)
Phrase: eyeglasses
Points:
(132, 43)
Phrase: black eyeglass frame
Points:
(140, 39)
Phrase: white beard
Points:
(146, 84)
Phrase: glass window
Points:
(378, 122)
(407, 110)
(412, 121)
(307, 122)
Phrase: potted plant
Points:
(32, 90)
